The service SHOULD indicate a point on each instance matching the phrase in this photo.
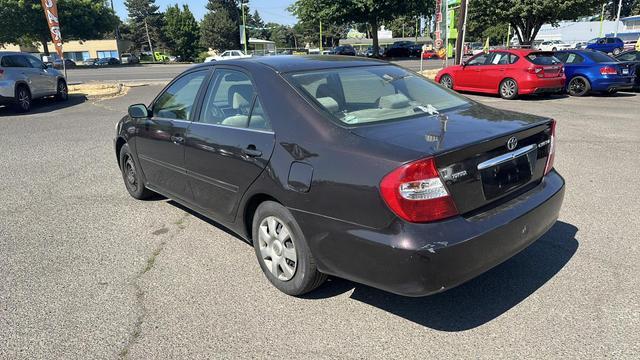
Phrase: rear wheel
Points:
(617, 51)
(131, 175)
(282, 250)
(62, 92)
(508, 89)
(23, 99)
(446, 81)
(578, 86)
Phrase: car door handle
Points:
(177, 139)
(251, 151)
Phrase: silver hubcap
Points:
(447, 82)
(508, 88)
(277, 248)
(23, 99)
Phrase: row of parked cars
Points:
(514, 72)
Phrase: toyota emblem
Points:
(512, 143)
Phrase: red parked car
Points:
(508, 73)
(430, 54)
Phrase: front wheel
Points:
(578, 86)
(508, 89)
(446, 81)
(282, 250)
(62, 92)
(131, 175)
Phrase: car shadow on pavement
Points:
(479, 300)
(46, 105)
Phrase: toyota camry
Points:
(346, 167)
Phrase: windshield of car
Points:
(601, 57)
(364, 95)
(592, 41)
(543, 59)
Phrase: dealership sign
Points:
(438, 42)
(51, 14)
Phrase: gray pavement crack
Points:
(138, 288)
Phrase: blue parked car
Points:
(607, 45)
(589, 70)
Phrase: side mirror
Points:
(463, 63)
(138, 111)
(44, 66)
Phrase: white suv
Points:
(23, 77)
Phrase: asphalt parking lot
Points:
(89, 272)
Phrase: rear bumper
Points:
(7, 91)
(422, 259)
(613, 83)
(535, 85)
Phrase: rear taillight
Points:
(416, 193)
(552, 148)
(608, 70)
(537, 70)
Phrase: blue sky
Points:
(270, 10)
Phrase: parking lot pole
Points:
(618, 18)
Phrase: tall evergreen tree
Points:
(219, 28)
(143, 12)
(181, 31)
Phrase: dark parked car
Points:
(57, 64)
(633, 57)
(344, 50)
(399, 49)
(406, 186)
(107, 61)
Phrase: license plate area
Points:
(508, 172)
(625, 71)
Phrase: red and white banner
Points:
(51, 13)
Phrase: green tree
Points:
(527, 16)
(219, 28)
(144, 15)
(23, 21)
(182, 32)
(372, 12)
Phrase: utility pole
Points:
(462, 26)
(602, 19)
(618, 18)
(320, 46)
(146, 29)
(117, 24)
(244, 28)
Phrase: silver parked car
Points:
(24, 77)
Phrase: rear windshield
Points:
(543, 59)
(600, 57)
(364, 95)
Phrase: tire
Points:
(508, 89)
(282, 251)
(554, 49)
(131, 175)
(446, 81)
(62, 91)
(23, 99)
(616, 51)
(578, 86)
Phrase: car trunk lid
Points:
(470, 147)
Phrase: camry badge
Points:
(512, 143)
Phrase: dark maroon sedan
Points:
(347, 167)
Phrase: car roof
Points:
(517, 51)
(294, 63)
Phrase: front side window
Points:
(35, 63)
(178, 100)
(231, 100)
(364, 95)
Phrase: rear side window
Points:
(18, 61)
(513, 58)
(543, 59)
(600, 57)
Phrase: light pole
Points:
(244, 28)
(618, 18)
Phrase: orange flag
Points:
(51, 14)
